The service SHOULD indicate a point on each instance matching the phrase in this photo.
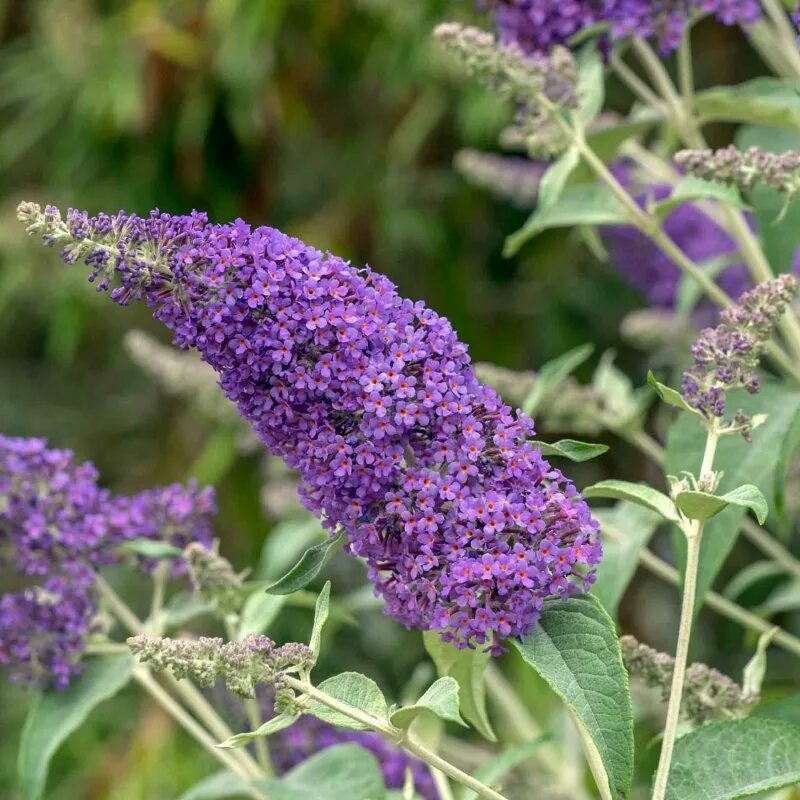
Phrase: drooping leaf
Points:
(355, 690)
(553, 372)
(268, 728)
(638, 493)
(468, 667)
(53, 716)
(739, 461)
(583, 204)
(764, 101)
(223, 785)
(703, 506)
(506, 761)
(575, 649)
(308, 567)
(756, 667)
(729, 760)
(343, 771)
(626, 529)
(571, 449)
(441, 700)
(321, 611)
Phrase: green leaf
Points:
(53, 716)
(786, 453)
(765, 101)
(555, 178)
(691, 188)
(626, 528)
(259, 612)
(343, 771)
(221, 785)
(321, 612)
(286, 543)
(571, 449)
(584, 204)
(308, 567)
(670, 396)
(591, 83)
(729, 760)
(756, 667)
(152, 548)
(269, 727)
(784, 598)
(753, 574)
(703, 506)
(638, 493)
(355, 690)
(553, 372)
(786, 708)
(441, 700)
(739, 461)
(498, 766)
(468, 667)
(575, 649)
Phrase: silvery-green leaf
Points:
(571, 449)
(308, 567)
(259, 612)
(575, 649)
(555, 178)
(54, 716)
(638, 493)
(703, 506)
(441, 699)
(355, 690)
(320, 617)
(269, 727)
(691, 188)
(729, 760)
(669, 395)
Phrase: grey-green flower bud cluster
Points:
(744, 169)
(508, 177)
(708, 695)
(535, 83)
(242, 664)
(214, 578)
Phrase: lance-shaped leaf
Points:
(308, 567)
(669, 395)
(703, 506)
(355, 690)
(729, 760)
(53, 716)
(269, 727)
(576, 651)
(468, 667)
(555, 178)
(321, 611)
(571, 449)
(441, 700)
(638, 493)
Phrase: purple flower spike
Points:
(371, 397)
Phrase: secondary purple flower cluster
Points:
(726, 357)
(538, 25)
(656, 275)
(57, 526)
(309, 735)
(371, 397)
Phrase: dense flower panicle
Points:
(535, 83)
(57, 526)
(744, 169)
(372, 398)
(538, 25)
(646, 267)
(293, 745)
(727, 356)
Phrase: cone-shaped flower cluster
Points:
(464, 526)
(538, 25)
(727, 356)
(57, 526)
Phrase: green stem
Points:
(593, 758)
(784, 34)
(396, 735)
(145, 679)
(693, 538)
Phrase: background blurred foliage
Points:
(330, 119)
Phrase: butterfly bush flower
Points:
(744, 169)
(538, 25)
(57, 527)
(464, 526)
(727, 356)
(309, 735)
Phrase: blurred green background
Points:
(334, 121)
